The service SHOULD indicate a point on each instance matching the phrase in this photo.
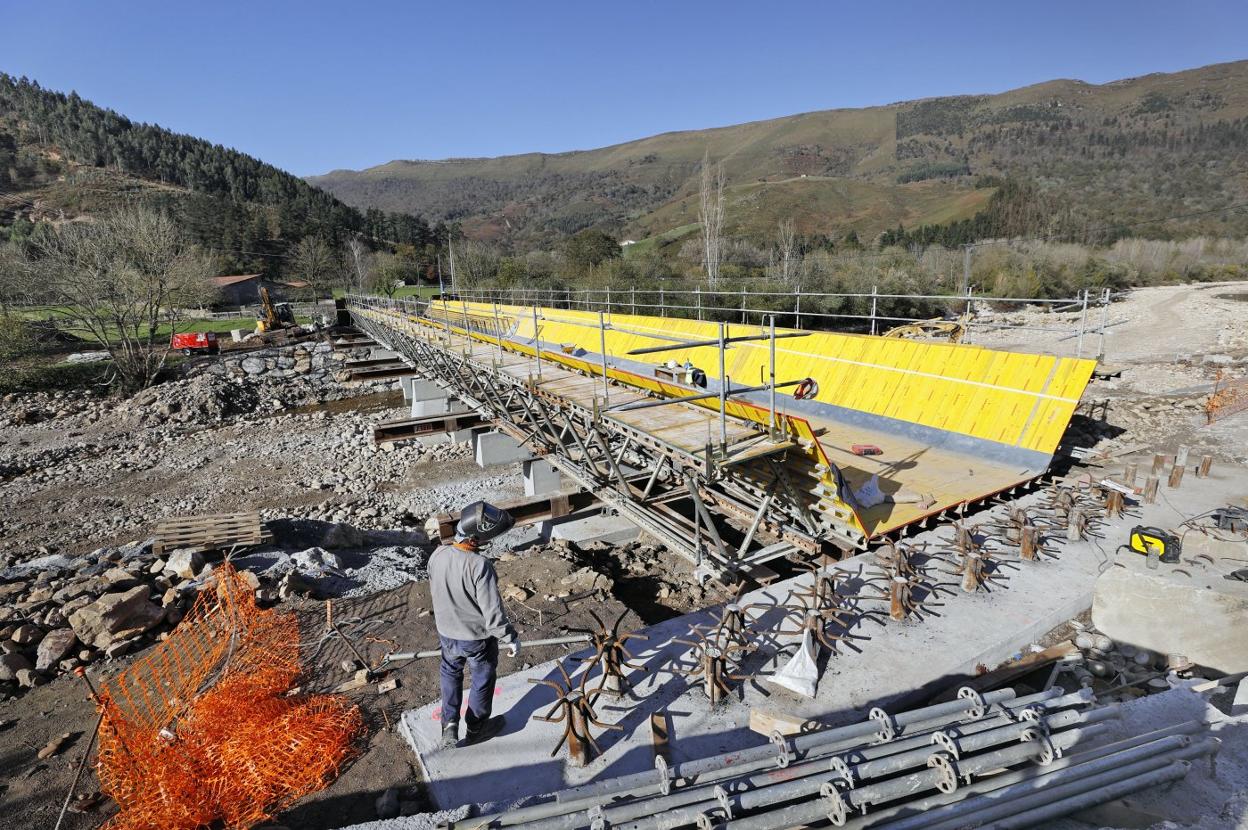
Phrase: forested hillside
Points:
(1102, 158)
(62, 157)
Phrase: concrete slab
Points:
(540, 478)
(1193, 610)
(884, 663)
(378, 353)
(494, 449)
(598, 527)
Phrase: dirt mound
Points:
(201, 400)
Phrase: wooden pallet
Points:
(211, 532)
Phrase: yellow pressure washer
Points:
(1146, 540)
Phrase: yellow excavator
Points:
(276, 315)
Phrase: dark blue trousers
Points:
(482, 659)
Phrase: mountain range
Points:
(1119, 153)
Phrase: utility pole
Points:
(966, 268)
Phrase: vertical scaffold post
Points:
(874, 291)
(723, 396)
(602, 339)
(743, 320)
(771, 383)
(662, 303)
(537, 344)
(1083, 324)
(498, 333)
(797, 307)
(698, 297)
(633, 299)
(1100, 351)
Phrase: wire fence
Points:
(1078, 322)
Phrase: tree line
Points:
(249, 214)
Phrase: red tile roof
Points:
(222, 282)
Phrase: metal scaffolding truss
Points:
(728, 513)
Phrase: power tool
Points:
(1146, 540)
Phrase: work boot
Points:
(485, 731)
(450, 735)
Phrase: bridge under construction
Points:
(737, 444)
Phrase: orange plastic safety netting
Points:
(204, 730)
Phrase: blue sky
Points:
(312, 86)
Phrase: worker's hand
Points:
(513, 648)
(512, 641)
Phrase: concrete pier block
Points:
(382, 354)
(427, 398)
(1202, 616)
(493, 449)
(540, 478)
(600, 527)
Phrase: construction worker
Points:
(468, 612)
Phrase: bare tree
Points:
(711, 215)
(787, 243)
(360, 261)
(317, 264)
(386, 275)
(120, 282)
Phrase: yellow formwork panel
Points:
(1017, 399)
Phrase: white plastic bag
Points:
(870, 494)
(801, 673)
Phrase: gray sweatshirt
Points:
(466, 602)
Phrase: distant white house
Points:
(628, 242)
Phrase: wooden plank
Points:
(765, 722)
(660, 737)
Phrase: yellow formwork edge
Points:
(1017, 399)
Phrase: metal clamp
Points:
(947, 743)
(784, 755)
(1048, 752)
(980, 708)
(843, 771)
(888, 726)
(725, 804)
(838, 809)
(596, 820)
(947, 781)
(1032, 713)
(665, 775)
(706, 821)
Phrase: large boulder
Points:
(316, 560)
(11, 664)
(185, 562)
(54, 647)
(116, 616)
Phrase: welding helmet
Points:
(482, 522)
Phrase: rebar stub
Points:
(838, 810)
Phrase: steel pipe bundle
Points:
(910, 770)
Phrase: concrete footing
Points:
(427, 398)
(586, 530)
(1190, 609)
(540, 478)
(493, 449)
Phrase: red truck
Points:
(195, 342)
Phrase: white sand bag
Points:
(801, 673)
